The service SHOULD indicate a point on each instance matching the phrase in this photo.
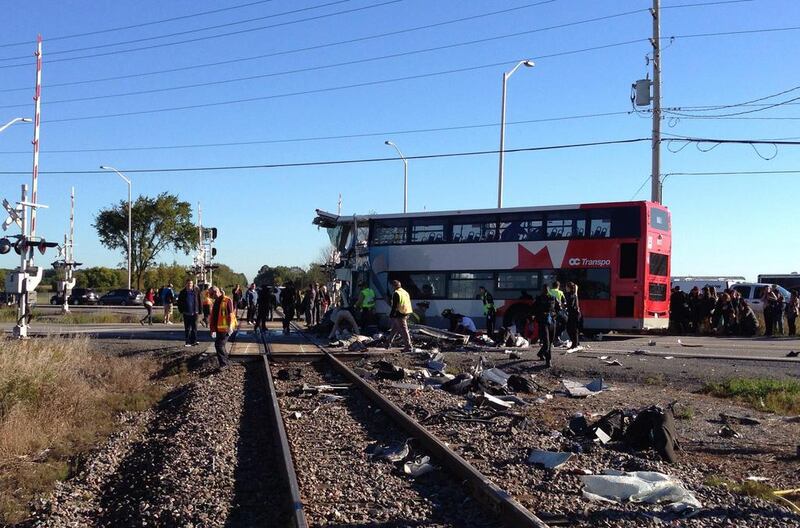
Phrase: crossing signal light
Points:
(5, 246)
(213, 233)
(213, 252)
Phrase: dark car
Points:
(85, 296)
(123, 297)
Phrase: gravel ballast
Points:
(202, 457)
(341, 484)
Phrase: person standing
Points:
(780, 308)
(324, 300)
(237, 296)
(489, 310)
(573, 308)
(149, 301)
(317, 303)
(167, 299)
(309, 301)
(401, 309)
(366, 303)
(768, 301)
(545, 309)
(206, 302)
(189, 306)
(251, 299)
(560, 321)
(222, 324)
(288, 296)
(792, 311)
(264, 307)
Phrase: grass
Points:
(777, 396)
(683, 412)
(9, 315)
(59, 399)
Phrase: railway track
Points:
(337, 443)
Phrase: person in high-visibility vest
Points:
(222, 324)
(401, 309)
(488, 310)
(206, 301)
(366, 303)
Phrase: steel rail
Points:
(297, 515)
(487, 492)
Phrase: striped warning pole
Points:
(36, 124)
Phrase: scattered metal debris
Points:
(548, 459)
(418, 467)
(641, 486)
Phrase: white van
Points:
(753, 291)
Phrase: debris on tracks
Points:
(650, 487)
(289, 374)
(418, 467)
(576, 389)
(548, 459)
(738, 419)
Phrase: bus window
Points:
(566, 225)
(521, 228)
(427, 233)
(388, 234)
(658, 264)
(657, 292)
(420, 285)
(628, 260)
(464, 285)
(477, 231)
(659, 219)
(625, 221)
(600, 227)
(594, 284)
(518, 280)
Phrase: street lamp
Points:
(128, 181)
(405, 175)
(529, 64)
(16, 120)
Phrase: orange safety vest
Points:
(221, 321)
(207, 301)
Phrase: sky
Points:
(333, 79)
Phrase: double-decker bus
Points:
(617, 253)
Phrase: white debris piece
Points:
(548, 459)
(576, 389)
(640, 486)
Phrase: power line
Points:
(349, 41)
(744, 103)
(208, 37)
(732, 173)
(325, 138)
(348, 161)
(732, 114)
(188, 31)
(133, 26)
(267, 55)
(321, 67)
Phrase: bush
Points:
(778, 396)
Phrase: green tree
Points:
(157, 223)
(101, 278)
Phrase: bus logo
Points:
(588, 262)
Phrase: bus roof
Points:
(325, 219)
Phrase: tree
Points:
(157, 224)
(100, 278)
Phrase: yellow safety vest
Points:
(368, 298)
(222, 315)
(404, 306)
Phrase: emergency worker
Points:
(401, 309)
(222, 324)
(207, 302)
(419, 314)
(366, 303)
(488, 309)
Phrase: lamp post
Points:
(16, 120)
(405, 175)
(128, 181)
(528, 64)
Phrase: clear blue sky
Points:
(742, 225)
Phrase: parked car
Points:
(123, 297)
(719, 283)
(78, 296)
(753, 291)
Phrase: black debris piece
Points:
(519, 383)
(289, 374)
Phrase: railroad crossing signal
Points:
(13, 215)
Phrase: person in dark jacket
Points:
(251, 299)
(264, 311)
(189, 305)
(288, 300)
(573, 309)
(748, 322)
(545, 309)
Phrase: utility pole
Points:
(65, 287)
(656, 42)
